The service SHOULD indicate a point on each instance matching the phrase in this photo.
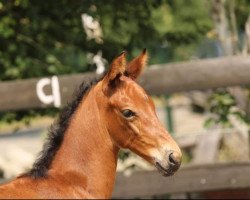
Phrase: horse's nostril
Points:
(171, 159)
(174, 158)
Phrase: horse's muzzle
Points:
(170, 164)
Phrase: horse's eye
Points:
(128, 113)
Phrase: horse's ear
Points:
(135, 67)
(117, 69)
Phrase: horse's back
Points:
(26, 188)
(16, 189)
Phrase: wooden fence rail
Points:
(158, 79)
(195, 178)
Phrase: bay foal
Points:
(80, 156)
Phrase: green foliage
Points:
(222, 106)
(242, 8)
(191, 21)
(40, 39)
(123, 154)
(27, 116)
(220, 103)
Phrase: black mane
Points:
(57, 131)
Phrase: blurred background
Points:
(53, 38)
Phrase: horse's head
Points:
(130, 118)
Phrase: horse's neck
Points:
(87, 151)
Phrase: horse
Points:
(79, 157)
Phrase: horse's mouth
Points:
(164, 171)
